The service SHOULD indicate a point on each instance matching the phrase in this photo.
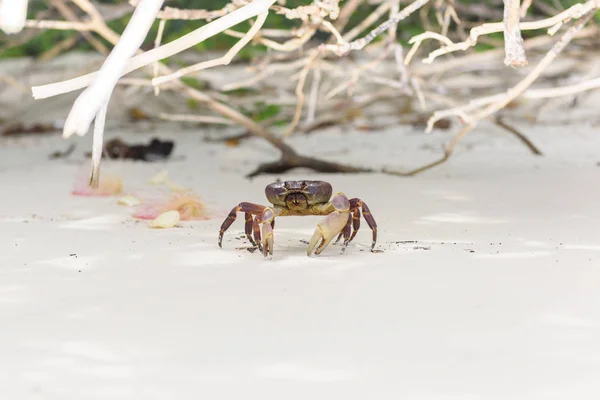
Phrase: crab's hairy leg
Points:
(340, 235)
(332, 225)
(368, 217)
(256, 229)
(243, 207)
(355, 222)
(355, 216)
(249, 223)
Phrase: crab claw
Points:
(267, 232)
(331, 226)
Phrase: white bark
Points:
(97, 95)
(164, 51)
(13, 14)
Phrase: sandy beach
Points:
(486, 286)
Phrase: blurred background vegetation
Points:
(262, 106)
(37, 42)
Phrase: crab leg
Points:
(248, 228)
(355, 204)
(332, 225)
(249, 209)
(355, 227)
(346, 231)
(256, 229)
(355, 222)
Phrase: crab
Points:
(301, 198)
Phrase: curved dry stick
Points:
(448, 151)
(225, 60)
(294, 160)
(359, 44)
(574, 12)
(524, 139)
(176, 46)
(504, 98)
(559, 91)
(70, 15)
(345, 13)
(300, 91)
(291, 161)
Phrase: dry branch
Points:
(555, 22)
(513, 42)
(524, 139)
(226, 59)
(359, 44)
(297, 54)
(492, 104)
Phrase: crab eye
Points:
(286, 185)
(303, 185)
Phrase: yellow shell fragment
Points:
(129, 201)
(165, 220)
(159, 178)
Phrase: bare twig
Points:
(204, 119)
(555, 22)
(357, 72)
(287, 46)
(314, 96)
(62, 25)
(291, 157)
(501, 100)
(563, 90)
(264, 73)
(166, 50)
(188, 14)
(300, 91)
(156, 67)
(370, 20)
(513, 42)
(359, 44)
(58, 48)
(448, 151)
(528, 143)
(70, 15)
(297, 53)
(417, 40)
(225, 60)
(345, 13)
(518, 89)
(524, 7)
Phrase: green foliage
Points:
(262, 111)
(192, 104)
(194, 83)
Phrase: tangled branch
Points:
(341, 85)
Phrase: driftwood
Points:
(313, 65)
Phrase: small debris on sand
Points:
(156, 150)
(129, 201)
(166, 220)
(109, 185)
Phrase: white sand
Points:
(487, 287)
(498, 298)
